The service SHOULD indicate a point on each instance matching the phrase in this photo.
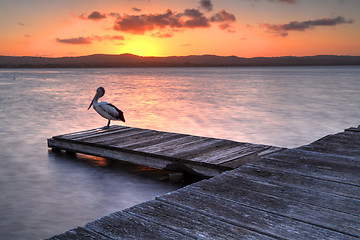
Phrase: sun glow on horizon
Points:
(142, 46)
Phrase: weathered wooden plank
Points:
(152, 140)
(228, 153)
(353, 129)
(322, 172)
(145, 159)
(270, 150)
(169, 145)
(127, 138)
(348, 138)
(271, 175)
(98, 134)
(344, 144)
(191, 223)
(332, 162)
(236, 188)
(238, 162)
(79, 234)
(184, 144)
(232, 212)
(172, 150)
(91, 132)
(121, 225)
(83, 132)
(199, 148)
(293, 192)
(79, 133)
(248, 158)
(218, 150)
(103, 137)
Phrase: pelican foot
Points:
(106, 127)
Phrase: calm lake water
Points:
(43, 193)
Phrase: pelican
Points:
(106, 110)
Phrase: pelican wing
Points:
(115, 112)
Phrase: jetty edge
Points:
(309, 192)
(195, 155)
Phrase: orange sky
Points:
(245, 28)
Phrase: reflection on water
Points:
(44, 193)
(112, 165)
(92, 160)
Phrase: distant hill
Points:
(129, 60)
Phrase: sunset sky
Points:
(245, 28)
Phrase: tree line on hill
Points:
(129, 60)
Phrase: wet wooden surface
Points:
(156, 149)
(310, 192)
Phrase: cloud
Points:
(193, 13)
(139, 24)
(163, 34)
(169, 21)
(95, 15)
(197, 22)
(135, 9)
(79, 40)
(197, 19)
(115, 15)
(282, 29)
(206, 5)
(223, 16)
(89, 40)
(228, 27)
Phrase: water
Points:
(43, 193)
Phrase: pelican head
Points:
(99, 93)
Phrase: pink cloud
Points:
(95, 16)
(283, 29)
(169, 21)
(89, 40)
(79, 40)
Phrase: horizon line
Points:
(109, 54)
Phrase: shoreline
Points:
(127, 61)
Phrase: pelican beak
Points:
(91, 104)
(94, 99)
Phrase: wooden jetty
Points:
(163, 150)
(310, 192)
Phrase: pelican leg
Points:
(107, 126)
